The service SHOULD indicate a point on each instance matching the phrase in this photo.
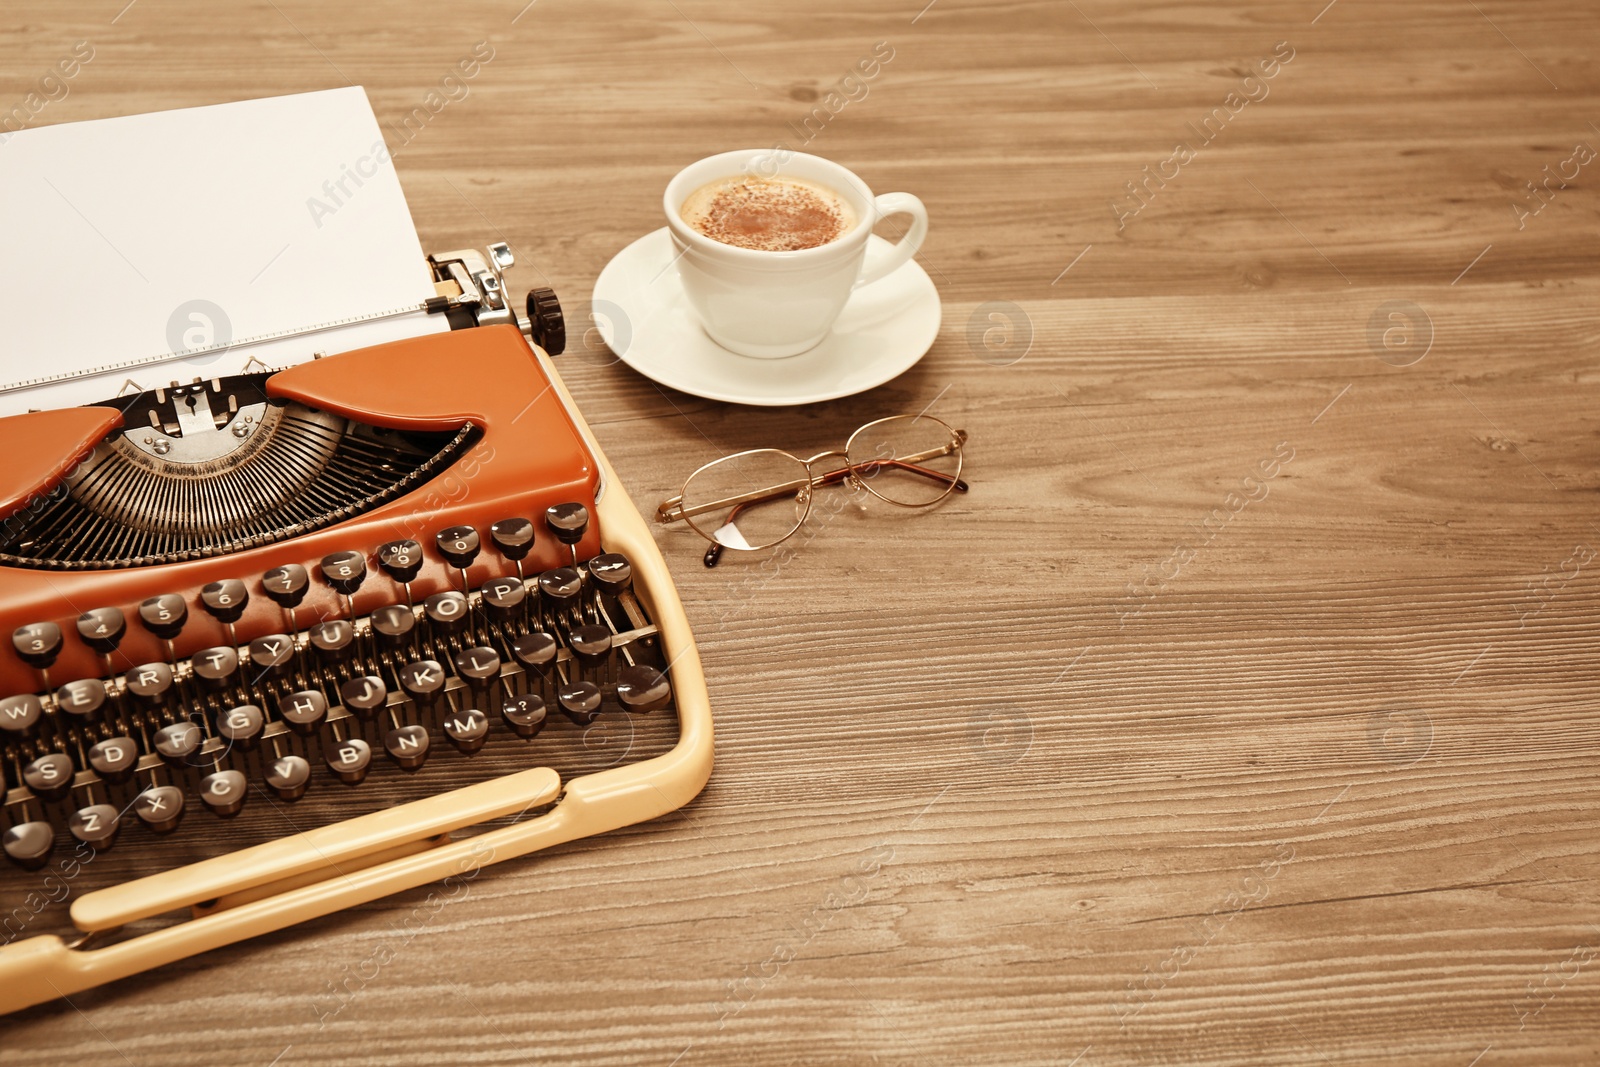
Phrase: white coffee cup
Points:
(776, 304)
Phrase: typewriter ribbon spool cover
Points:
(403, 567)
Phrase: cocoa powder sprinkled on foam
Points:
(769, 216)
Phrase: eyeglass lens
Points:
(749, 524)
(899, 459)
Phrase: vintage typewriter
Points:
(360, 616)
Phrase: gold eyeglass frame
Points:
(672, 510)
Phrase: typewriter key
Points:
(82, 698)
(480, 668)
(459, 545)
(569, 522)
(20, 714)
(363, 695)
(164, 615)
(422, 681)
(642, 689)
(478, 665)
(150, 684)
(37, 643)
(580, 700)
(28, 844)
(242, 725)
(96, 825)
(102, 629)
(591, 646)
(514, 539)
(225, 600)
(535, 651)
(224, 792)
(524, 714)
(401, 560)
(286, 585)
(503, 599)
(114, 758)
(448, 613)
(407, 746)
(178, 743)
(288, 777)
(160, 807)
(611, 573)
(216, 668)
(304, 711)
(350, 760)
(560, 589)
(334, 640)
(467, 729)
(392, 626)
(271, 658)
(50, 776)
(345, 571)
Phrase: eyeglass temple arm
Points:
(672, 510)
(939, 476)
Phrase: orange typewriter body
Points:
(519, 447)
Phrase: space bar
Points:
(321, 849)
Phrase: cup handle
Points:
(882, 261)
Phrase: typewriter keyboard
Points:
(323, 702)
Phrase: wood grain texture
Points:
(1057, 774)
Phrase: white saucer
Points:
(644, 317)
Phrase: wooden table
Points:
(1245, 710)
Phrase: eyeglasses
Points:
(757, 499)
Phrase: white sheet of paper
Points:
(182, 244)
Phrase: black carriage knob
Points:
(546, 324)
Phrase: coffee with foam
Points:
(768, 215)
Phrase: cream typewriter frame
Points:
(277, 884)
